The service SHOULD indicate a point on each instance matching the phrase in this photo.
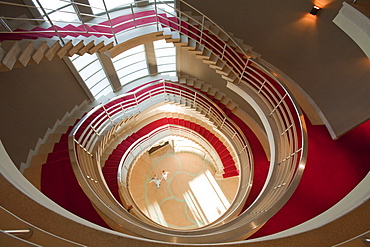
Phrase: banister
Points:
(291, 142)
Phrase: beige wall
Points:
(31, 100)
(314, 52)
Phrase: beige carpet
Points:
(191, 197)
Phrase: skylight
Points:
(91, 71)
(57, 10)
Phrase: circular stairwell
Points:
(281, 117)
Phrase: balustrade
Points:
(93, 133)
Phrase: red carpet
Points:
(333, 169)
(58, 182)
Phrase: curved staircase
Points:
(234, 61)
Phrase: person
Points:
(165, 174)
(156, 180)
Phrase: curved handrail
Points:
(106, 115)
(144, 143)
(286, 119)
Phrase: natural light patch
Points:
(98, 5)
(155, 213)
(92, 72)
(195, 209)
(206, 200)
(131, 64)
(58, 10)
(165, 55)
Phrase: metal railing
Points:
(235, 63)
(97, 129)
(144, 143)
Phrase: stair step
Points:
(225, 71)
(218, 66)
(206, 54)
(211, 60)
(13, 51)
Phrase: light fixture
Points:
(314, 10)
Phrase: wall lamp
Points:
(314, 10)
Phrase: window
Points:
(58, 10)
(91, 71)
(131, 64)
(166, 56)
(97, 6)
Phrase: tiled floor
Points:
(190, 197)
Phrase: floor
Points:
(189, 198)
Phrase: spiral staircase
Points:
(103, 140)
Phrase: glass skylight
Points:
(166, 56)
(58, 10)
(98, 5)
(131, 64)
(91, 71)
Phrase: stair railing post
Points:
(156, 14)
(50, 21)
(3, 23)
(263, 84)
(201, 30)
(243, 72)
(78, 12)
(195, 99)
(137, 104)
(110, 22)
(109, 117)
(133, 15)
(223, 51)
(164, 90)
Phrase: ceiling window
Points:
(97, 6)
(131, 64)
(91, 71)
(166, 56)
(58, 10)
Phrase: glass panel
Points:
(132, 68)
(166, 56)
(97, 77)
(111, 4)
(81, 61)
(128, 63)
(58, 10)
(164, 52)
(166, 60)
(90, 69)
(105, 91)
(133, 76)
(166, 67)
(162, 43)
(99, 86)
(136, 49)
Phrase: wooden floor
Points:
(191, 197)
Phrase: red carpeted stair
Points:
(59, 183)
(334, 168)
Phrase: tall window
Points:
(131, 64)
(166, 56)
(91, 71)
(58, 10)
(98, 5)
